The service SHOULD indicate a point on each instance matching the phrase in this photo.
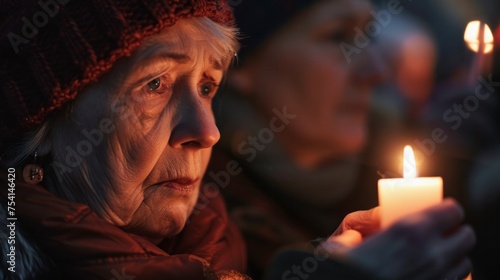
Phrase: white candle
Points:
(399, 197)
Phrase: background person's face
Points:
(159, 102)
(304, 69)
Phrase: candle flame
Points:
(409, 166)
(473, 38)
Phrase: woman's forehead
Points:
(180, 43)
(173, 51)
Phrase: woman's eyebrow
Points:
(216, 64)
(179, 57)
(138, 74)
(157, 57)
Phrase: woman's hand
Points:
(430, 244)
(354, 228)
(365, 222)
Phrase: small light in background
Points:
(479, 39)
(472, 37)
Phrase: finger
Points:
(434, 253)
(365, 222)
(441, 217)
(347, 239)
(459, 243)
(448, 250)
(461, 270)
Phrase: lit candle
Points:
(399, 197)
(479, 39)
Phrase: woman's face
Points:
(304, 69)
(154, 114)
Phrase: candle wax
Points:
(399, 197)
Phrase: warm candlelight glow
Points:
(473, 38)
(409, 166)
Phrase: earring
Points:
(33, 173)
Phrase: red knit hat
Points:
(51, 49)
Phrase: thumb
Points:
(343, 242)
(365, 222)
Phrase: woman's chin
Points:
(160, 223)
(156, 230)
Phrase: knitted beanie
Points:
(258, 20)
(51, 49)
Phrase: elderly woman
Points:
(107, 130)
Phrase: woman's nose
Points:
(195, 124)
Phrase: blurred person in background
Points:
(480, 135)
(300, 144)
(410, 55)
(484, 199)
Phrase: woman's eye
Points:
(156, 86)
(208, 89)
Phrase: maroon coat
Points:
(84, 246)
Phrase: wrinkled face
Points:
(151, 127)
(305, 69)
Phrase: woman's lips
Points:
(180, 184)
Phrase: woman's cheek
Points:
(127, 206)
(132, 155)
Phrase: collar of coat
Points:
(84, 246)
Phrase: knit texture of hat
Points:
(51, 49)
